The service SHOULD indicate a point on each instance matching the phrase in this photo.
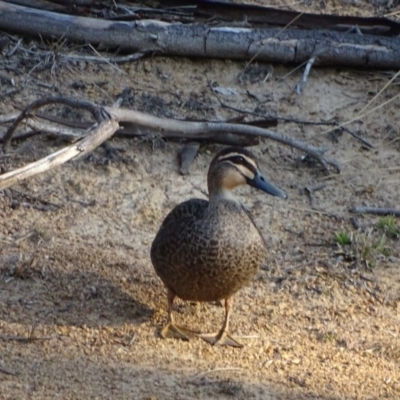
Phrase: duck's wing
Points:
(248, 213)
(191, 209)
(176, 228)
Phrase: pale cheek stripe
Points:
(248, 174)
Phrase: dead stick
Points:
(365, 142)
(375, 210)
(302, 83)
(104, 131)
(93, 109)
(310, 191)
(140, 124)
(197, 129)
(8, 372)
(128, 130)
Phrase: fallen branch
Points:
(104, 129)
(375, 210)
(141, 123)
(128, 130)
(192, 130)
(204, 40)
(96, 111)
(108, 121)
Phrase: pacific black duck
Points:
(208, 250)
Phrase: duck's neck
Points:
(221, 194)
(220, 184)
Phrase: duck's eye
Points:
(240, 160)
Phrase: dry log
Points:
(269, 16)
(201, 40)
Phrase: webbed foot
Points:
(172, 330)
(220, 339)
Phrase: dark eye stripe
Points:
(239, 160)
(242, 161)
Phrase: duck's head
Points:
(236, 166)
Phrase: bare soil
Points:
(81, 307)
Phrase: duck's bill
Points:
(261, 183)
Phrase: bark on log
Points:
(200, 40)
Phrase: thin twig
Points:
(5, 119)
(89, 59)
(8, 372)
(210, 371)
(375, 210)
(358, 117)
(284, 119)
(302, 83)
(255, 114)
(44, 205)
(22, 339)
(30, 338)
(22, 136)
(310, 191)
(379, 93)
(11, 52)
(365, 142)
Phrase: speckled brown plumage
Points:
(209, 250)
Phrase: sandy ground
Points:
(77, 283)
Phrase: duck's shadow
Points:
(74, 298)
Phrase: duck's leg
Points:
(223, 338)
(172, 330)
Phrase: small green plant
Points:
(389, 225)
(371, 249)
(330, 336)
(39, 234)
(365, 248)
(342, 238)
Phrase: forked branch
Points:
(109, 120)
(104, 128)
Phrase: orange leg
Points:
(172, 330)
(223, 338)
